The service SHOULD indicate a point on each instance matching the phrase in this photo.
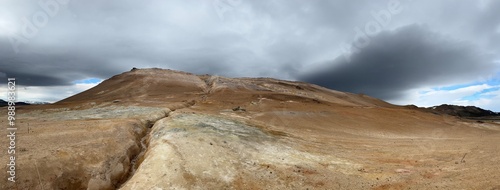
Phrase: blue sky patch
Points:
(88, 81)
(495, 81)
(458, 86)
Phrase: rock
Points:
(239, 109)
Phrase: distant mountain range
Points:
(463, 111)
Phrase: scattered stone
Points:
(239, 108)
(403, 171)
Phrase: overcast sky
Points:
(424, 52)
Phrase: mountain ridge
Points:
(199, 85)
(453, 110)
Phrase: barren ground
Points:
(160, 129)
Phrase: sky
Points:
(426, 52)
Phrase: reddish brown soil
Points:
(325, 139)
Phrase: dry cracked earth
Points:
(163, 129)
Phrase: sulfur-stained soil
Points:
(163, 129)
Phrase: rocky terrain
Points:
(163, 129)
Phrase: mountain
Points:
(164, 129)
(463, 111)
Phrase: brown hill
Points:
(164, 129)
(157, 85)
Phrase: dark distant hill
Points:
(463, 111)
(171, 128)
(4, 103)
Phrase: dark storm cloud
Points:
(280, 38)
(31, 79)
(101, 39)
(407, 58)
(54, 68)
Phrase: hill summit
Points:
(163, 85)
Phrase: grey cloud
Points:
(404, 59)
(488, 24)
